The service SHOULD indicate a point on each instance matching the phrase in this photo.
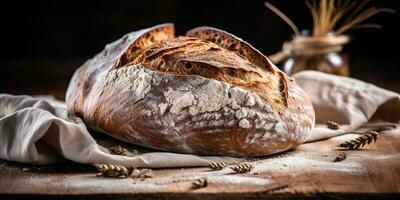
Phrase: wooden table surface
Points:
(308, 171)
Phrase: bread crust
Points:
(138, 90)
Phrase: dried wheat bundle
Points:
(327, 15)
(216, 165)
(242, 167)
(361, 141)
(330, 17)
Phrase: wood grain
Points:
(307, 172)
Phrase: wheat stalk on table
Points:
(216, 165)
(119, 150)
(111, 170)
(120, 171)
(199, 183)
(370, 136)
(242, 167)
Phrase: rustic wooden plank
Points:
(308, 171)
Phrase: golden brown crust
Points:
(156, 35)
(194, 56)
(190, 95)
(233, 43)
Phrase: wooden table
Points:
(306, 172)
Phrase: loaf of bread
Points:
(207, 93)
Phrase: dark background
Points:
(43, 42)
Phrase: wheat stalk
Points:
(120, 171)
(111, 170)
(340, 157)
(332, 125)
(119, 150)
(283, 17)
(199, 183)
(370, 136)
(242, 167)
(216, 165)
(361, 17)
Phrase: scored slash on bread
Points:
(211, 53)
(207, 92)
(233, 43)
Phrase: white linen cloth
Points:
(347, 101)
(41, 131)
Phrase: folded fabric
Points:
(350, 102)
(41, 131)
(38, 131)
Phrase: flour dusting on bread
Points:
(131, 79)
(190, 95)
(202, 100)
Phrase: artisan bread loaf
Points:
(207, 93)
